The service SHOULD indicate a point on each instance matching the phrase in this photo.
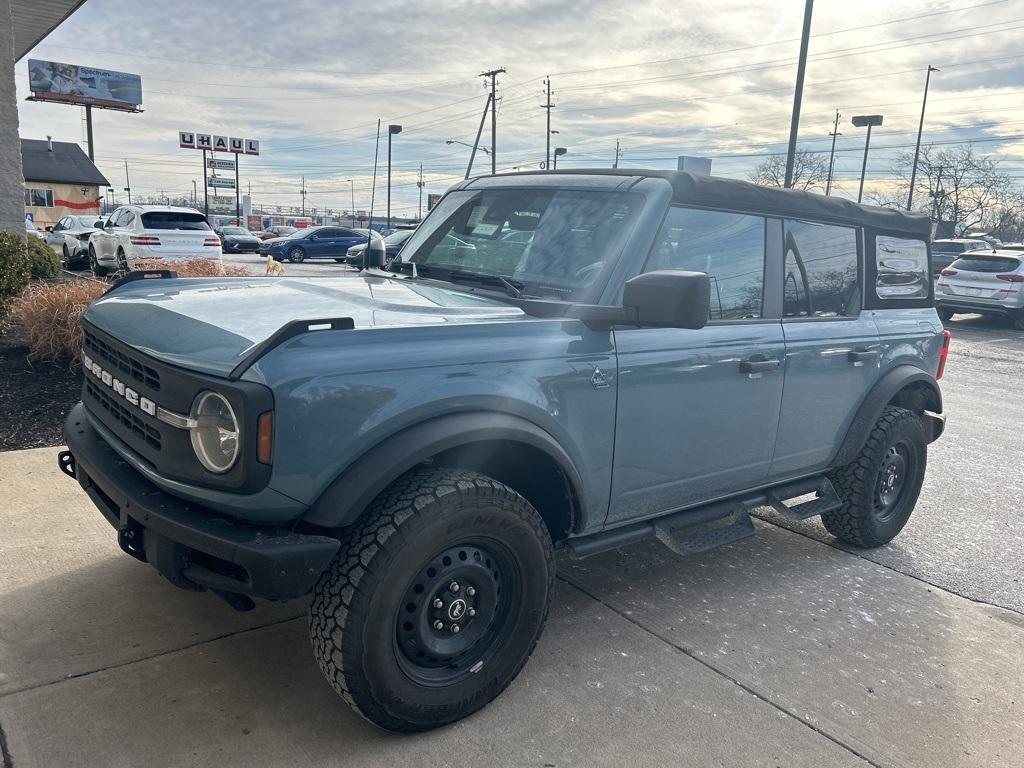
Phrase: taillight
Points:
(1011, 278)
(145, 240)
(947, 272)
(212, 241)
(943, 354)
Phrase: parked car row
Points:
(324, 242)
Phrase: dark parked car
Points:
(273, 232)
(392, 245)
(945, 252)
(327, 242)
(237, 240)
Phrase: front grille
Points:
(115, 359)
(123, 415)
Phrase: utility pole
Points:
(392, 130)
(302, 191)
(920, 128)
(798, 93)
(493, 74)
(352, 189)
(547, 105)
(88, 130)
(617, 153)
(419, 216)
(832, 154)
(127, 182)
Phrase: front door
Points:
(698, 409)
(832, 346)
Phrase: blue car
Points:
(328, 242)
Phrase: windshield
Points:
(364, 232)
(549, 243)
(235, 231)
(173, 220)
(948, 248)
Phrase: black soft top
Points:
(743, 196)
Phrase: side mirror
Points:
(49, 229)
(669, 298)
(375, 254)
(98, 224)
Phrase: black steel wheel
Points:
(296, 255)
(880, 487)
(435, 601)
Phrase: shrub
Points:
(15, 269)
(194, 268)
(50, 313)
(45, 263)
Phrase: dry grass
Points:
(195, 268)
(50, 313)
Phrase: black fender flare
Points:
(888, 387)
(360, 482)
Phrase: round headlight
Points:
(216, 438)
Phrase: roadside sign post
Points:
(209, 143)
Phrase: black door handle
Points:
(758, 364)
(861, 355)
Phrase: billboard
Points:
(73, 84)
(206, 141)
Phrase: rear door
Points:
(832, 348)
(325, 243)
(698, 409)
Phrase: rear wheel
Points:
(122, 261)
(945, 315)
(296, 255)
(97, 269)
(436, 600)
(1018, 322)
(880, 487)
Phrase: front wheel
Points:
(436, 600)
(880, 487)
(296, 255)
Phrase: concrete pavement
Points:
(779, 650)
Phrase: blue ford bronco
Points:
(566, 361)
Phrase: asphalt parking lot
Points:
(780, 650)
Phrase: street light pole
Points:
(920, 129)
(352, 210)
(392, 130)
(558, 152)
(798, 93)
(869, 121)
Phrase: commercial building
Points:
(23, 24)
(60, 180)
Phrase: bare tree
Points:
(958, 186)
(810, 171)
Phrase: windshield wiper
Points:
(512, 288)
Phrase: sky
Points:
(709, 78)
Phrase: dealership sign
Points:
(220, 165)
(214, 143)
(73, 84)
(222, 182)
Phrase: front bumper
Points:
(193, 547)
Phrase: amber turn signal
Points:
(265, 437)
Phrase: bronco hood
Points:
(209, 324)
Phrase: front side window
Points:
(174, 220)
(549, 243)
(729, 247)
(820, 278)
(39, 198)
(901, 268)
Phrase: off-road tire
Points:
(859, 521)
(945, 315)
(357, 609)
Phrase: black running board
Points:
(724, 522)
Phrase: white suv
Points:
(134, 232)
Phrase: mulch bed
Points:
(35, 398)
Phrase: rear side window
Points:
(982, 263)
(821, 276)
(901, 268)
(729, 247)
(173, 220)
